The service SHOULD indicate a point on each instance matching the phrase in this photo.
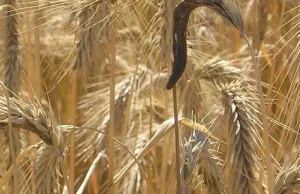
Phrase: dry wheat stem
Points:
(11, 73)
(143, 30)
(263, 6)
(264, 119)
(12, 148)
(177, 141)
(4, 149)
(166, 37)
(89, 173)
(111, 132)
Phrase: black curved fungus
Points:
(181, 16)
(228, 10)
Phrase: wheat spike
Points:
(34, 119)
(45, 171)
(197, 154)
(191, 150)
(124, 91)
(288, 177)
(210, 167)
(11, 51)
(221, 71)
(84, 43)
(93, 36)
(242, 161)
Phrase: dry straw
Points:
(136, 46)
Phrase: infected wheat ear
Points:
(228, 10)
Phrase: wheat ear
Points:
(288, 178)
(242, 162)
(209, 167)
(45, 171)
(84, 42)
(11, 53)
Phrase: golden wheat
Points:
(111, 129)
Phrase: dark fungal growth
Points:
(228, 10)
(181, 17)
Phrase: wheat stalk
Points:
(166, 36)
(12, 70)
(262, 24)
(5, 159)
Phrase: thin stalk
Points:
(73, 103)
(151, 106)
(90, 173)
(37, 57)
(177, 149)
(264, 118)
(11, 142)
(111, 132)
(274, 66)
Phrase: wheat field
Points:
(84, 106)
